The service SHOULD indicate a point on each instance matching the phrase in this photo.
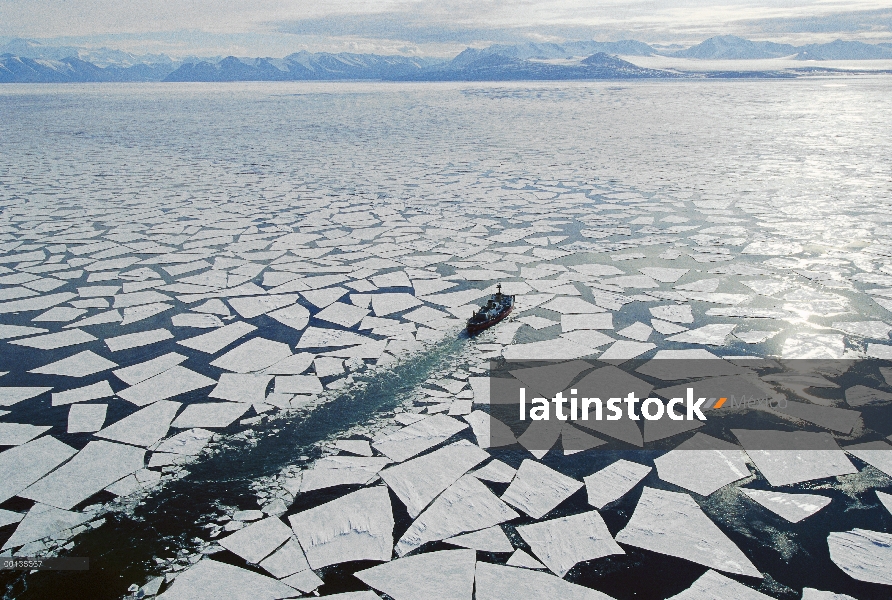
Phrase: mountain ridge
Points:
(500, 62)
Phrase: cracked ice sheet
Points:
(35, 303)
(672, 523)
(358, 447)
(497, 582)
(869, 329)
(556, 349)
(100, 389)
(489, 431)
(188, 443)
(418, 437)
(16, 434)
(10, 396)
(54, 341)
(214, 341)
(254, 306)
(298, 384)
(317, 337)
(828, 417)
(95, 467)
(358, 526)
(703, 464)
(42, 521)
(14, 331)
(537, 322)
(444, 575)
(863, 554)
(878, 454)
(466, 505)
(212, 580)
(341, 470)
(792, 507)
(522, 559)
(569, 306)
(673, 312)
(715, 585)
(418, 481)
(622, 351)
(491, 539)
(196, 321)
(172, 382)
(145, 427)
(287, 560)
(813, 346)
(637, 331)
(254, 355)
(712, 335)
(613, 482)
(294, 316)
(212, 415)
(135, 314)
(585, 321)
(345, 315)
(137, 340)
(8, 517)
(78, 365)
(258, 540)
(495, 471)
(537, 489)
(390, 303)
(821, 459)
(23, 465)
(238, 387)
(561, 543)
(86, 418)
(141, 371)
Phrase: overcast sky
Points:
(426, 27)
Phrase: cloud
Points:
(466, 22)
(835, 23)
(435, 27)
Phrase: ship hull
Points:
(474, 328)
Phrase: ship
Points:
(497, 308)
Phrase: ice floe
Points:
(703, 464)
(358, 526)
(715, 585)
(418, 437)
(258, 540)
(97, 465)
(210, 580)
(862, 554)
(672, 523)
(167, 384)
(341, 470)
(792, 507)
(537, 489)
(81, 364)
(467, 505)
(563, 542)
(491, 539)
(418, 481)
(446, 575)
(23, 465)
(497, 582)
(613, 482)
(791, 457)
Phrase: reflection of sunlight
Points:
(805, 312)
